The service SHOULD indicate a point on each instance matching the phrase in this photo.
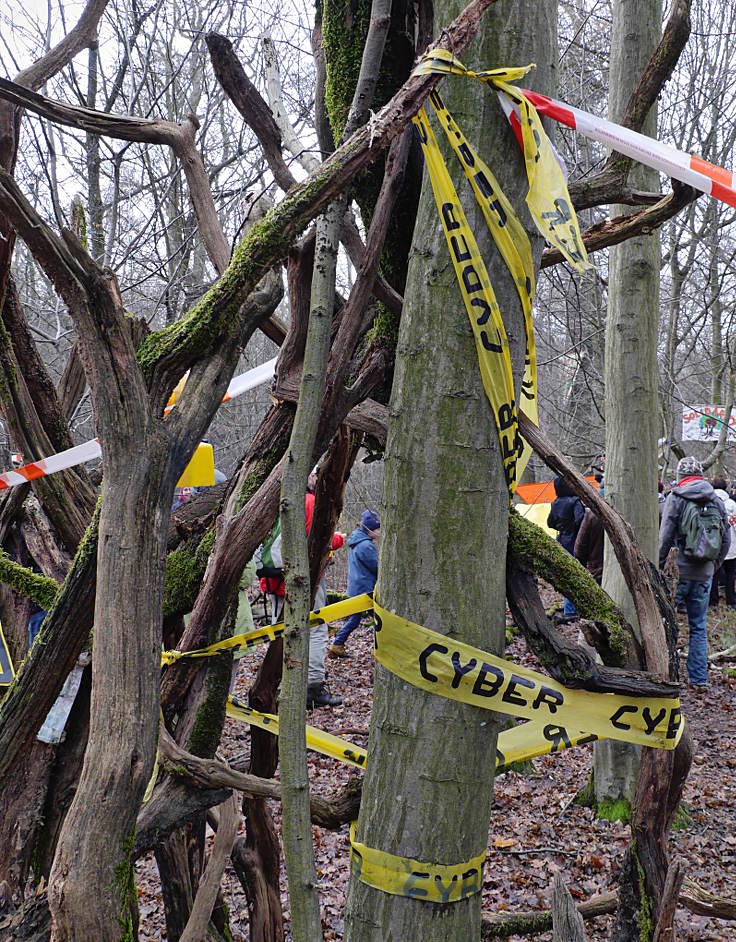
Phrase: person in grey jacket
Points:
(696, 575)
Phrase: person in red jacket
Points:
(269, 566)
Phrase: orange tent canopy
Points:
(543, 492)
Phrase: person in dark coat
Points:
(589, 545)
(565, 515)
(362, 572)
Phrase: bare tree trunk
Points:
(97, 836)
(298, 851)
(631, 375)
(428, 785)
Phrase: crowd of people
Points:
(698, 518)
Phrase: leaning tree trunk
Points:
(429, 779)
(95, 845)
(631, 375)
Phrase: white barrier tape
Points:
(90, 450)
(59, 462)
(687, 168)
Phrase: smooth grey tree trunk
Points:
(429, 780)
(632, 419)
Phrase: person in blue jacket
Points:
(362, 572)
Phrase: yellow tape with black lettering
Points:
(317, 739)
(513, 244)
(525, 741)
(491, 343)
(6, 664)
(458, 671)
(403, 876)
(548, 198)
(241, 644)
(529, 740)
(550, 206)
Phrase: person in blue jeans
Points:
(362, 572)
(693, 588)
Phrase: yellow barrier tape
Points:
(491, 343)
(549, 204)
(548, 198)
(239, 645)
(458, 671)
(529, 740)
(6, 664)
(526, 741)
(513, 244)
(403, 876)
(317, 739)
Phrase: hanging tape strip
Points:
(549, 204)
(548, 198)
(513, 244)
(491, 343)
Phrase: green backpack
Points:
(702, 527)
(268, 559)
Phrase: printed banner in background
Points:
(703, 423)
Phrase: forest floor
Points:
(536, 828)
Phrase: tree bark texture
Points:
(97, 836)
(296, 826)
(428, 785)
(633, 309)
(631, 374)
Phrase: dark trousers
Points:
(726, 575)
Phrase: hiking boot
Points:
(319, 696)
(337, 650)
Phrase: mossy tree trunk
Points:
(631, 375)
(428, 786)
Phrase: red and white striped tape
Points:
(90, 450)
(687, 168)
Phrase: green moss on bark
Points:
(586, 795)
(614, 809)
(646, 918)
(210, 718)
(516, 925)
(544, 556)
(125, 889)
(41, 589)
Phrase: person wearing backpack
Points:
(695, 521)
